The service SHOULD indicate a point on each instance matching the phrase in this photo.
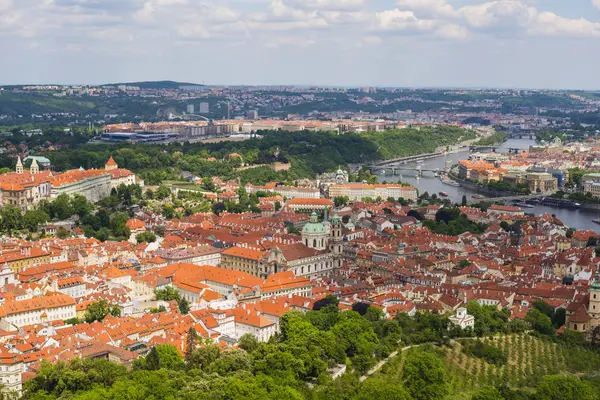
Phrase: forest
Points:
(310, 153)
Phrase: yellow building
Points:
(244, 260)
(541, 182)
(24, 257)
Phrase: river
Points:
(428, 183)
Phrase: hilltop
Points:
(155, 84)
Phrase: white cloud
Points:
(550, 24)
(131, 29)
(328, 5)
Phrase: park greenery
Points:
(498, 359)
(450, 221)
(103, 221)
(494, 139)
(309, 153)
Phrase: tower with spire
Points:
(35, 168)
(336, 240)
(20, 168)
(594, 306)
(111, 164)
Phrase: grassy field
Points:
(528, 359)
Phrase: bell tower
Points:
(594, 306)
(35, 168)
(19, 169)
(336, 240)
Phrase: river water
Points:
(429, 183)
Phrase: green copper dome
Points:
(314, 226)
(336, 218)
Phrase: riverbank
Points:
(483, 190)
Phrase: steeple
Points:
(110, 164)
(595, 284)
(19, 166)
(35, 168)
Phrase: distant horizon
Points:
(495, 44)
(303, 85)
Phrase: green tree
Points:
(425, 376)
(12, 219)
(145, 237)
(184, 306)
(61, 207)
(248, 342)
(167, 294)
(162, 192)
(34, 218)
(62, 232)
(488, 393)
(161, 356)
(81, 206)
(464, 200)
(382, 389)
(231, 361)
(190, 343)
(539, 321)
(98, 310)
(564, 387)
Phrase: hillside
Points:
(528, 360)
(155, 84)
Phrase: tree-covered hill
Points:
(155, 84)
(309, 152)
(297, 363)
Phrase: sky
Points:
(399, 43)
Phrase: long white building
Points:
(36, 310)
(359, 191)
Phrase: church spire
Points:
(35, 168)
(19, 166)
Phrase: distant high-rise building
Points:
(252, 114)
(204, 108)
(190, 109)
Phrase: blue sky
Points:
(417, 43)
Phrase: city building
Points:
(308, 205)
(204, 108)
(590, 183)
(314, 234)
(36, 310)
(11, 372)
(244, 260)
(480, 171)
(541, 182)
(360, 191)
(462, 319)
(25, 188)
(288, 192)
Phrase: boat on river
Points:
(449, 181)
(443, 194)
(596, 220)
(524, 205)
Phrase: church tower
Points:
(314, 234)
(594, 307)
(110, 164)
(35, 168)
(336, 241)
(19, 169)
